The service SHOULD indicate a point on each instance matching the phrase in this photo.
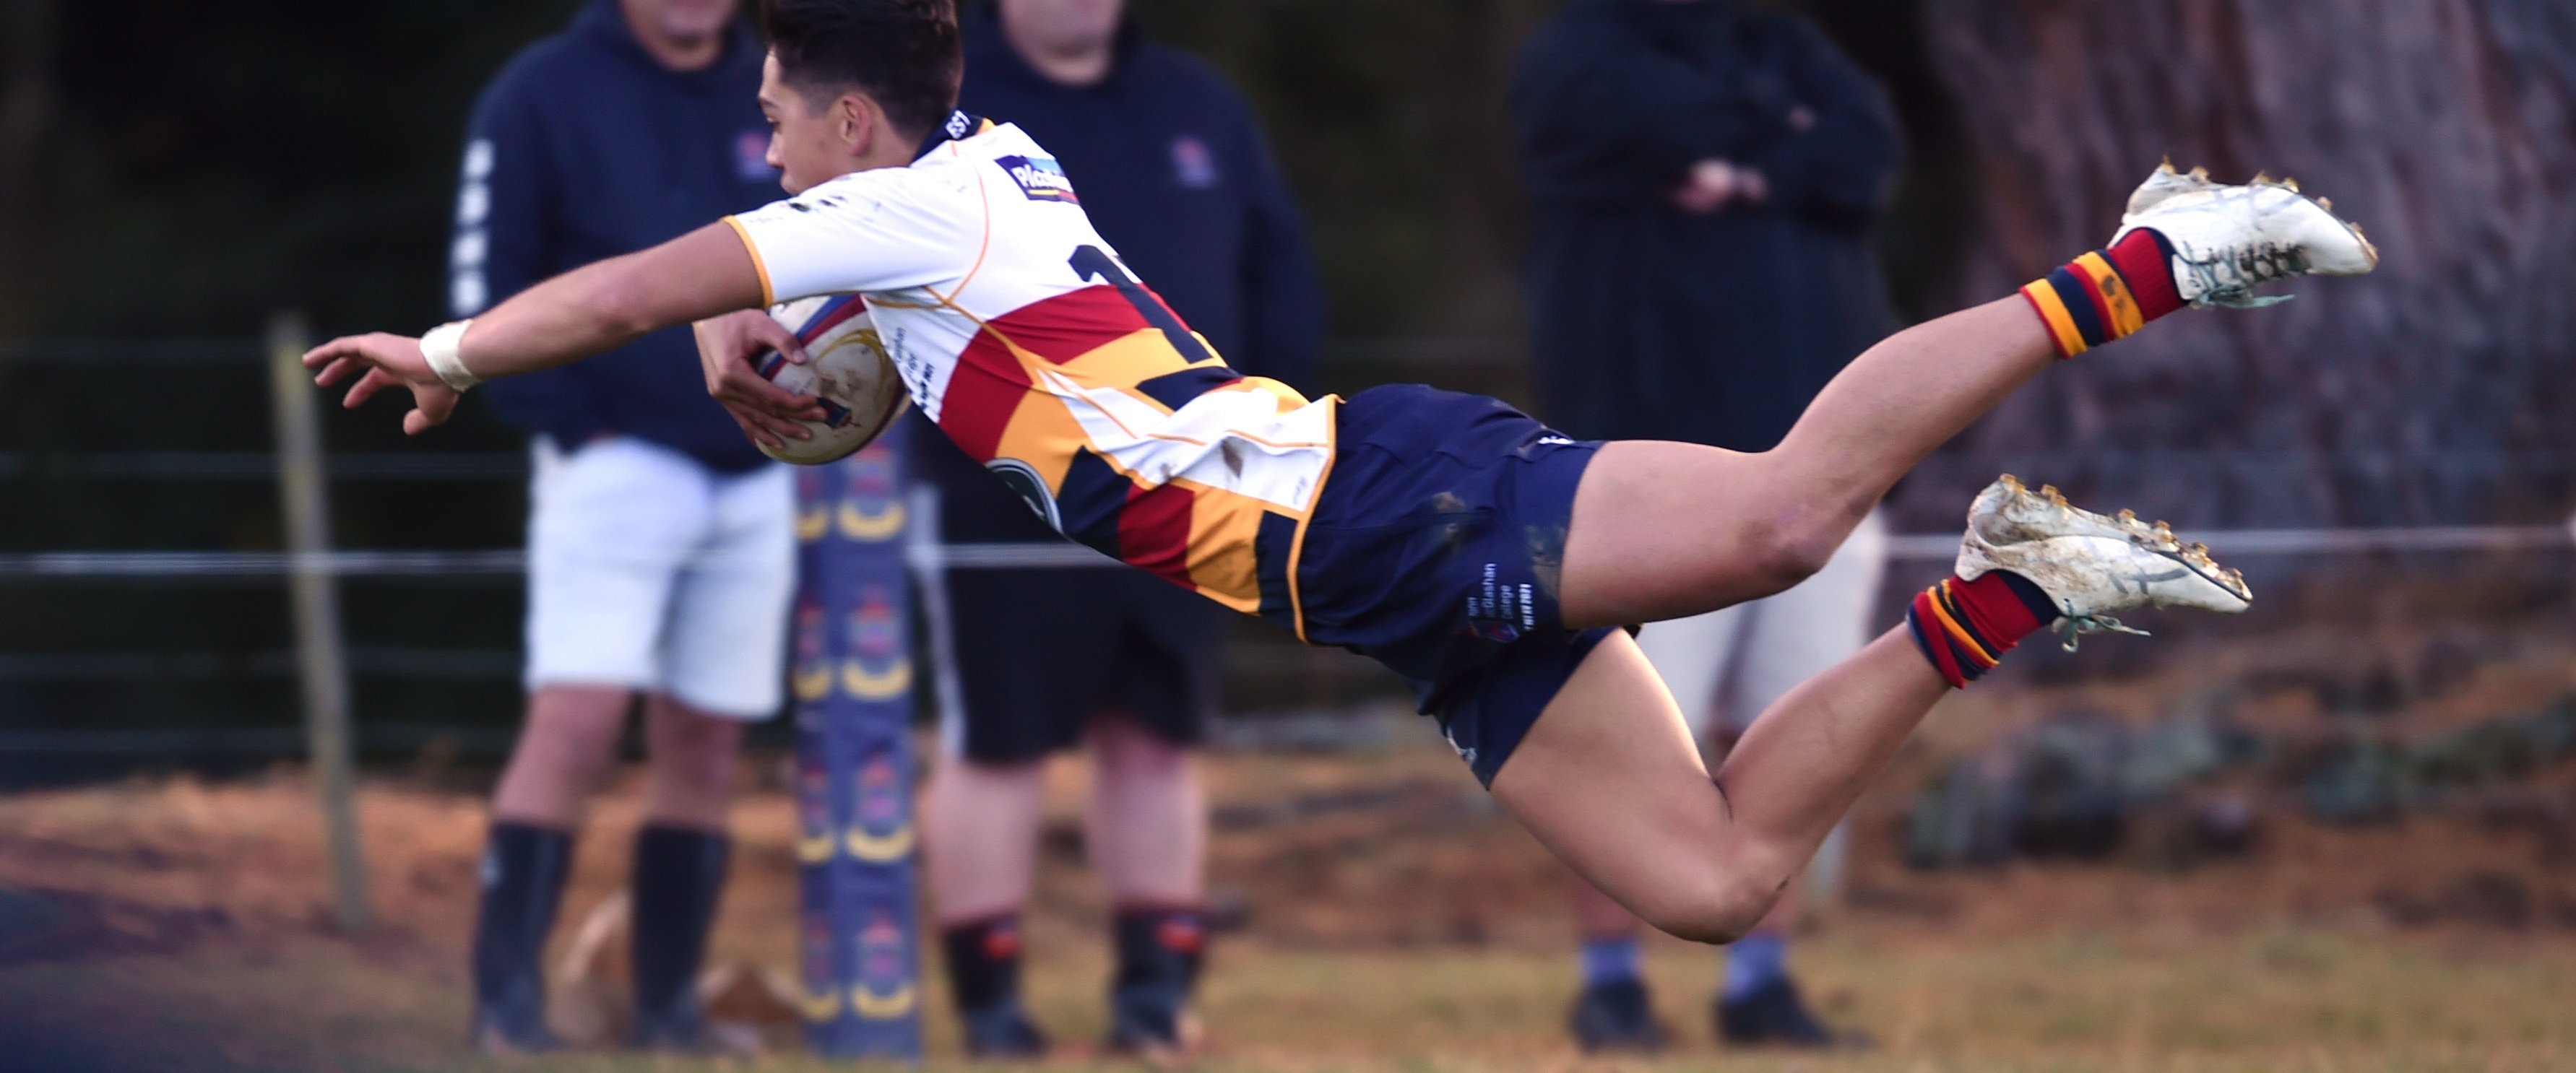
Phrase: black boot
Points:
(523, 879)
(1159, 951)
(679, 875)
(1774, 1015)
(1616, 1016)
(984, 978)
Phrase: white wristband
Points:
(439, 345)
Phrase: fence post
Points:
(321, 668)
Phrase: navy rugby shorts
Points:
(1436, 549)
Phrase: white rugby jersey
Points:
(1017, 329)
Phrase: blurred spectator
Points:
(1703, 176)
(1173, 170)
(660, 543)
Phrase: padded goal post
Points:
(853, 674)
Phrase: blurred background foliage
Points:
(183, 168)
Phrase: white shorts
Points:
(1724, 667)
(648, 570)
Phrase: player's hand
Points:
(385, 361)
(727, 346)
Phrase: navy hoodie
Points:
(585, 148)
(1174, 171)
(1653, 323)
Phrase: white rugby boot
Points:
(2228, 239)
(2089, 564)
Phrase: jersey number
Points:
(1092, 261)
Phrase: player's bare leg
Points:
(689, 762)
(1608, 776)
(1664, 530)
(1608, 780)
(566, 746)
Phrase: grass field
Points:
(2273, 1000)
(1407, 927)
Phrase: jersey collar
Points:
(959, 125)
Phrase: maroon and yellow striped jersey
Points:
(1017, 329)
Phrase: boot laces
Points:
(2071, 627)
(2228, 278)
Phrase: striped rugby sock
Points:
(2106, 294)
(1965, 627)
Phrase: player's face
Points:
(807, 142)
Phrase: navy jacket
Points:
(1174, 172)
(584, 148)
(1649, 322)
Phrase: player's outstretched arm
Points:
(563, 320)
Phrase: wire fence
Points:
(1429, 359)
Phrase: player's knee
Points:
(1792, 552)
(1127, 747)
(1717, 909)
(695, 749)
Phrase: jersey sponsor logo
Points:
(1023, 479)
(959, 123)
(1041, 178)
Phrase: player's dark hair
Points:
(904, 53)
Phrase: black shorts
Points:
(1435, 549)
(1038, 653)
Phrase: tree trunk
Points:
(2437, 390)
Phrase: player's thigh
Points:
(1814, 625)
(1664, 530)
(1692, 655)
(1610, 780)
(726, 639)
(610, 527)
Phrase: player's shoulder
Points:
(931, 195)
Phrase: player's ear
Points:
(858, 121)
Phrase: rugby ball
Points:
(848, 370)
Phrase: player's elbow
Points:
(619, 311)
(622, 304)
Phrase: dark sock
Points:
(1752, 963)
(1609, 959)
(2106, 294)
(1160, 945)
(983, 962)
(1965, 627)
(679, 875)
(524, 866)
